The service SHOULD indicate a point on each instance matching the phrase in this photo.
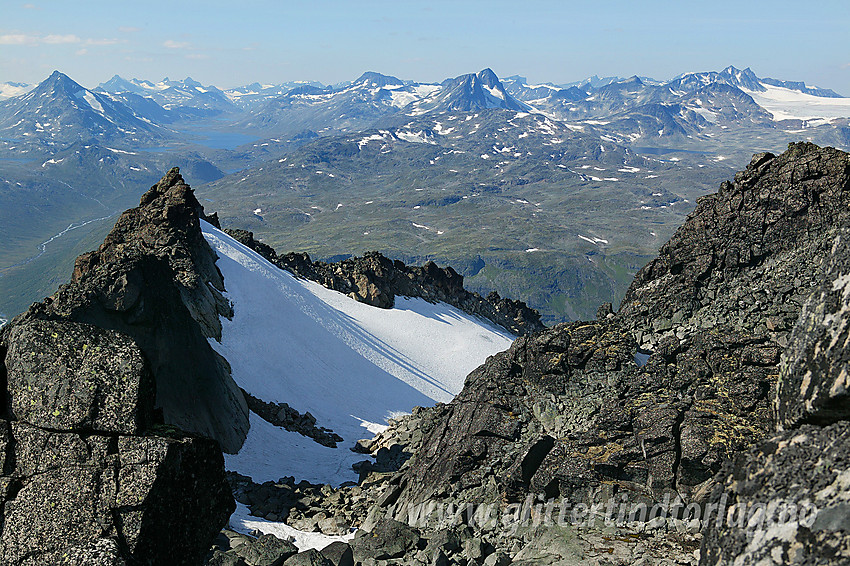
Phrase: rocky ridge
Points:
(376, 280)
(672, 398)
(94, 468)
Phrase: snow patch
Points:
(349, 364)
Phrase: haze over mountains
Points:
(551, 193)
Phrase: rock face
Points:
(71, 376)
(376, 280)
(89, 471)
(744, 257)
(154, 280)
(649, 402)
(788, 499)
(814, 385)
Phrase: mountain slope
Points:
(59, 111)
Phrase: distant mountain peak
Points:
(489, 78)
(377, 79)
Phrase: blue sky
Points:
(233, 43)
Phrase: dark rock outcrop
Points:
(376, 280)
(90, 471)
(282, 415)
(744, 257)
(569, 413)
(154, 280)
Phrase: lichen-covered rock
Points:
(388, 539)
(161, 500)
(786, 501)
(102, 552)
(71, 376)
(310, 557)
(266, 550)
(814, 385)
(339, 554)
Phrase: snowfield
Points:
(787, 104)
(351, 365)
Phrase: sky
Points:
(229, 43)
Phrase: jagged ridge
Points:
(376, 280)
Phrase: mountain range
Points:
(571, 187)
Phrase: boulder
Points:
(162, 500)
(388, 539)
(339, 554)
(266, 550)
(310, 557)
(70, 376)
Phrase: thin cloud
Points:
(100, 42)
(197, 56)
(61, 39)
(129, 29)
(30, 7)
(171, 44)
(53, 39)
(82, 51)
(18, 39)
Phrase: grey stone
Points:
(164, 499)
(310, 557)
(267, 550)
(339, 554)
(814, 385)
(388, 539)
(794, 491)
(70, 376)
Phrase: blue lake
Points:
(221, 140)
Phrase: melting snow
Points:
(593, 240)
(92, 101)
(418, 137)
(242, 521)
